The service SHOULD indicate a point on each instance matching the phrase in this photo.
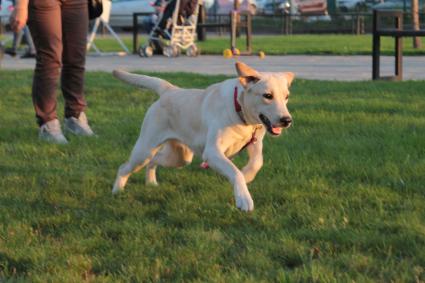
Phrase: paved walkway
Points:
(341, 68)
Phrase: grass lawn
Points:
(341, 196)
(326, 44)
(290, 45)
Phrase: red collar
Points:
(238, 107)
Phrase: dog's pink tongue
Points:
(276, 131)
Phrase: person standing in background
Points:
(59, 29)
(17, 39)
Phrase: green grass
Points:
(341, 196)
(291, 45)
(326, 44)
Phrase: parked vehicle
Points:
(312, 7)
(276, 7)
(396, 5)
(352, 5)
(207, 4)
(226, 6)
(122, 11)
(260, 5)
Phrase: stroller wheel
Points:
(168, 51)
(145, 51)
(176, 51)
(192, 51)
(140, 51)
(148, 50)
(171, 51)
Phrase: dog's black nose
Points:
(286, 121)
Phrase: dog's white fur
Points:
(184, 122)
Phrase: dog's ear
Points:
(246, 74)
(289, 77)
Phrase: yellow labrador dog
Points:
(215, 123)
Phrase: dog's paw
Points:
(153, 183)
(117, 190)
(119, 184)
(244, 202)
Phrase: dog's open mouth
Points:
(275, 131)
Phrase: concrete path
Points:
(341, 68)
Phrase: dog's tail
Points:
(156, 84)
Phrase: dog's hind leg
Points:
(139, 158)
(151, 174)
(144, 150)
(172, 154)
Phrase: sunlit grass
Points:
(309, 44)
(290, 44)
(340, 197)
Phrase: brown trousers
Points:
(59, 29)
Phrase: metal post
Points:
(286, 23)
(92, 34)
(117, 38)
(135, 33)
(359, 24)
(376, 46)
(201, 31)
(415, 22)
(399, 48)
(289, 23)
(248, 33)
(233, 24)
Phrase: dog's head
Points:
(265, 97)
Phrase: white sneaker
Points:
(51, 132)
(78, 126)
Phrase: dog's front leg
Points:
(219, 162)
(255, 162)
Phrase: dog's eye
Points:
(268, 96)
(287, 97)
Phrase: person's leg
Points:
(168, 13)
(74, 30)
(30, 51)
(30, 42)
(17, 37)
(46, 28)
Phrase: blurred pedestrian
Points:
(17, 39)
(59, 29)
(150, 22)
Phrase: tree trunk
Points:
(415, 22)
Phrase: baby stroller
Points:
(175, 30)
